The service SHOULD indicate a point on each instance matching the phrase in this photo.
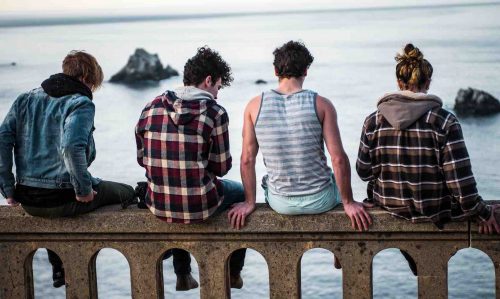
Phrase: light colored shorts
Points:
(316, 203)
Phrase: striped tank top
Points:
(290, 137)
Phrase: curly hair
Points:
(412, 69)
(292, 60)
(207, 62)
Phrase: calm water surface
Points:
(353, 67)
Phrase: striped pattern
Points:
(290, 137)
(183, 153)
(421, 173)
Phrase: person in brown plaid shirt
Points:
(183, 143)
(413, 155)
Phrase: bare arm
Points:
(340, 162)
(249, 152)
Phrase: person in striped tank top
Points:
(290, 125)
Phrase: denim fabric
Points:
(52, 141)
(315, 203)
(233, 193)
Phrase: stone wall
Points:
(282, 240)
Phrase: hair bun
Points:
(410, 52)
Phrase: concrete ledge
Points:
(282, 240)
(264, 221)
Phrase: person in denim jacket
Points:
(48, 132)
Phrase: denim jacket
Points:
(52, 142)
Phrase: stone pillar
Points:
(356, 270)
(490, 245)
(213, 261)
(432, 266)
(16, 273)
(79, 267)
(283, 260)
(145, 270)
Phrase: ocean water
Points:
(353, 67)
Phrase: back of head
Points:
(292, 60)
(412, 70)
(207, 62)
(84, 67)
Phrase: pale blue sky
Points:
(70, 7)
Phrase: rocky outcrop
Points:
(143, 67)
(474, 102)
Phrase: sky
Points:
(107, 7)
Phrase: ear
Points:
(208, 81)
(305, 73)
(275, 72)
(401, 85)
(428, 84)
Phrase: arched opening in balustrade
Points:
(255, 275)
(112, 274)
(180, 274)
(319, 277)
(471, 274)
(392, 276)
(43, 261)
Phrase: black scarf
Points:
(59, 85)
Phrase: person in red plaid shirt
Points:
(183, 143)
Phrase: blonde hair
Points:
(412, 69)
(84, 67)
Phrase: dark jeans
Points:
(233, 193)
(108, 193)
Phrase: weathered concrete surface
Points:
(282, 240)
(132, 220)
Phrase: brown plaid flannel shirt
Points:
(420, 173)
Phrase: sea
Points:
(353, 66)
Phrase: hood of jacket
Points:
(60, 85)
(186, 103)
(403, 108)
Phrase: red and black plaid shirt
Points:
(184, 146)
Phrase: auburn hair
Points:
(84, 67)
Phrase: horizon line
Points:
(26, 21)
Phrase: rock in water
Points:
(474, 102)
(142, 66)
(260, 81)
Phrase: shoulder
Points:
(155, 103)
(442, 119)
(22, 97)
(324, 108)
(370, 123)
(324, 103)
(252, 110)
(254, 104)
(217, 112)
(371, 118)
(78, 102)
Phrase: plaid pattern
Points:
(421, 173)
(183, 153)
